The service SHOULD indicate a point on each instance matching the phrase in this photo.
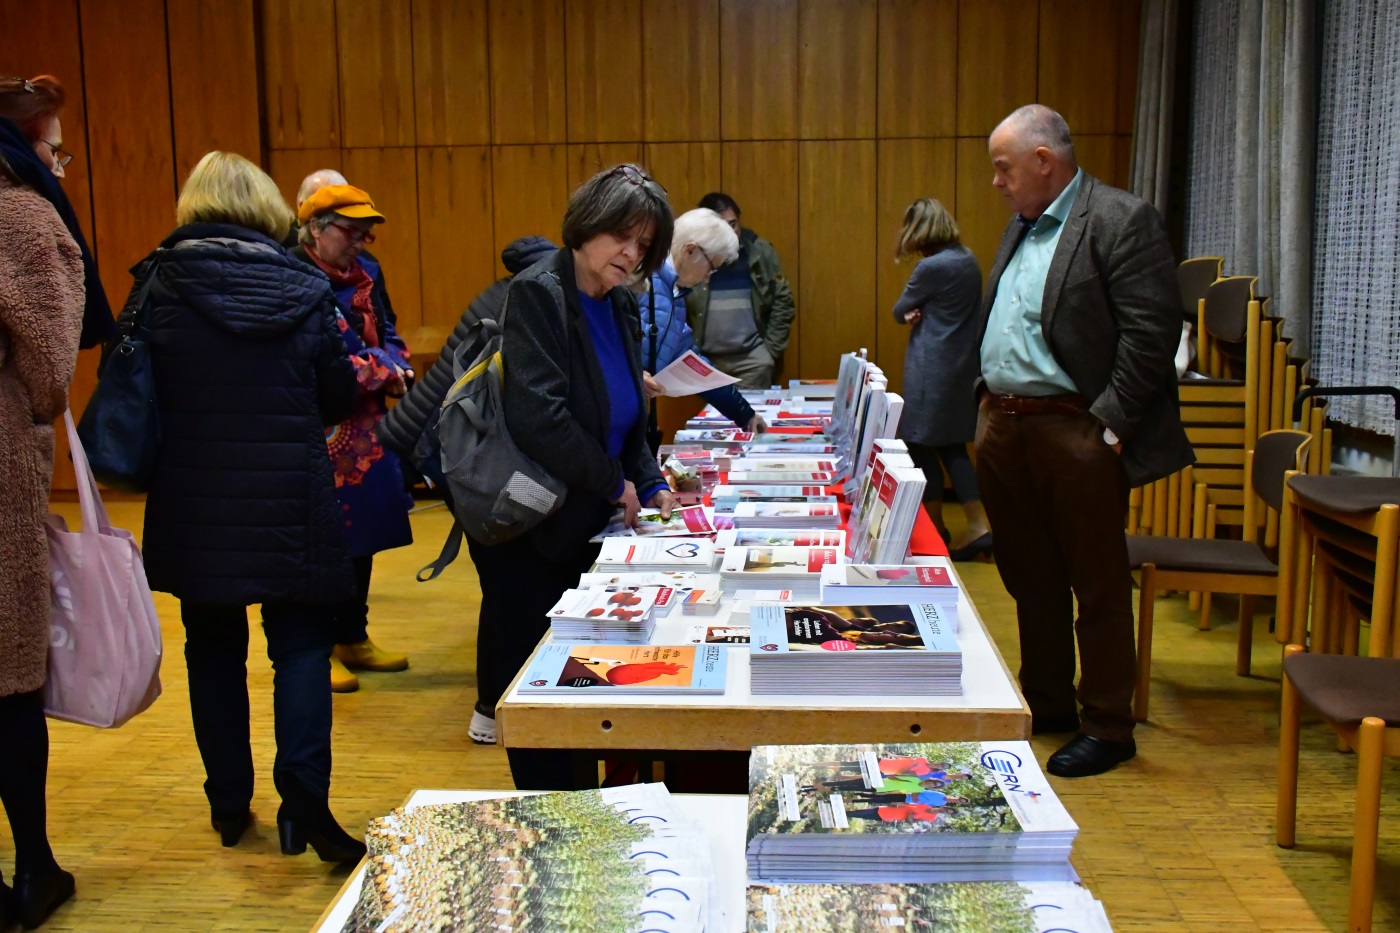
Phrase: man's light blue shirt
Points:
(1016, 359)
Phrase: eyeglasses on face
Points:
(635, 176)
(60, 156)
(708, 261)
(354, 234)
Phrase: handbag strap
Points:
(89, 498)
(450, 549)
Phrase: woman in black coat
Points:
(249, 368)
(574, 405)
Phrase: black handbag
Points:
(120, 427)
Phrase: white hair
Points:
(316, 181)
(1037, 125)
(705, 229)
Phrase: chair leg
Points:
(1205, 612)
(1290, 723)
(1244, 648)
(1147, 597)
(1370, 751)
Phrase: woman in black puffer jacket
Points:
(249, 368)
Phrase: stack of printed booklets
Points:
(852, 650)
(621, 858)
(783, 566)
(779, 537)
(751, 513)
(686, 520)
(883, 515)
(877, 584)
(608, 616)
(647, 670)
(981, 906)
(728, 498)
(696, 555)
(905, 813)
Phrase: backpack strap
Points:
(450, 549)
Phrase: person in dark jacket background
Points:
(249, 367)
(337, 223)
(410, 427)
(700, 245)
(574, 405)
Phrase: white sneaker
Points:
(482, 729)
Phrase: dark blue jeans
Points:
(353, 616)
(216, 654)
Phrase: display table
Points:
(721, 815)
(592, 722)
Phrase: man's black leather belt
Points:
(1041, 404)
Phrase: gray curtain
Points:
(1250, 175)
(1152, 121)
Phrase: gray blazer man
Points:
(1077, 402)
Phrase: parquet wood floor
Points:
(1179, 839)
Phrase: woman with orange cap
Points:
(337, 222)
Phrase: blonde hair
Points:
(226, 188)
(928, 227)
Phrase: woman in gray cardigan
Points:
(940, 304)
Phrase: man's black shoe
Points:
(1053, 725)
(1084, 755)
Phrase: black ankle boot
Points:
(36, 896)
(231, 826)
(305, 817)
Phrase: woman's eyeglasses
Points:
(635, 176)
(355, 234)
(60, 156)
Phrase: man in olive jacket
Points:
(743, 314)
(1080, 321)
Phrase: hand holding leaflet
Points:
(690, 375)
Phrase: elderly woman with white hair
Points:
(701, 243)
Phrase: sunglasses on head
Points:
(635, 176)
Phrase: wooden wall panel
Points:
(289, 166)
(680, 70)
(529, 191)
(375, 50)
(982, 212)
(918, 68)
(838, 237)
(688, 171)
(762, 178)
(213, 80)
(527, 71)
(451, 73)
(390, 176)
(301, 78)
(996, 61)
(454, 223)
(758, 69)
(1098, 155)
(1079, 62)
(587, 160)
(128, 109)
(1123, 176)
(1128, 45)
(836, 62)
(907, 169)
(602, 39)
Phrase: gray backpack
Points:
(497, 492)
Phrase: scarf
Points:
(26, 166)
(361, 307)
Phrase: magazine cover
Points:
(788, 629)
(719, 634)
(863, 575)
(559, 668)
(980, 907)
(687, 520)
(789, 560)
(900, 789)
(662, 553)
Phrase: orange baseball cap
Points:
(345, 200)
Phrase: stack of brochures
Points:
(878, 584)
(653, 670)
(561, 862)
(599, 615)
(777, 567)
(986, 906)
(777, 537)
(774, 477)
(750, 513)
(683, 521)
(696, 555)
(914, 812)
(728, 497)
(852, 650)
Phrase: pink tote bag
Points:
(104, 635)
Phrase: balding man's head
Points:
(1032, 158)
(316, 181)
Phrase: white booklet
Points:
(690, 374)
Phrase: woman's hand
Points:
(629, 504)
(665, 500)
(756, 424)
(651, 386)
(913, 317)
(396, 386)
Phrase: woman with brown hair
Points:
(41, 315)
(940, 305)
